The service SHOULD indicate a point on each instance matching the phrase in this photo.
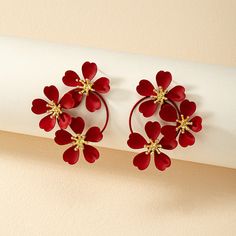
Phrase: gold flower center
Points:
(153, 146)
(86, 86)
(160, 95)
(183, 124)
(55, 110)
(78, 141)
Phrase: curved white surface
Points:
(27, 66)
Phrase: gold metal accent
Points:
(184, 123)
(78, 141)
(86, 86)
(153, 146)
(160, 95)
(55, 110)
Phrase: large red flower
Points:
(158, 95)
(79, 142)
(184, 122)
(54, 108)
(85, 86)
(153, 147)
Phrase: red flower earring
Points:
(58, 110)
(170, 111)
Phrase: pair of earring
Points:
(174, 108)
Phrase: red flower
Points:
(184, 122)
(158, 95)
(54, 109)
(85, 86)
(79, 141)
(153, 147)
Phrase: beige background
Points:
(40, 195)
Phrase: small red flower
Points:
(85, 86)
(79, 141)
(158, 95)
(184, 122)
(54, 108)
(153, 147)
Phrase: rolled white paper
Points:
(27, 66)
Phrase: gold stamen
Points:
(160, 95)
(78, 141)
(86, 86)
(153, 146)
(55, 110)
(183, 124)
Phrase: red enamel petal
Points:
(168, 113)
(176, 94)
(93, 135)
(62, 137)
(67, 101)
(169, 131)
(186, 139)
(93, 102)
(64, 120)
(91, 154)
(77, 97)
(71, 78)
(89, 70)
(153, 130)
(187, 108)
(47, 123)
(77, 125)
(145, 88)
(148, 108)
(163, 79)
(51, 92)
(142, 160)
(168, 144)
(39, 106)
(136, 141)
(197, 124)
(71, 156)
(162, 161)
(102, 85)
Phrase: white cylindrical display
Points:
(27, 66)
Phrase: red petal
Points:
(93, 135)
(162, 161)
(142, 160)
(197, 124)
(168, 144)
(62, 137)
(64, 120)
(77, 125)
(163, 79)
(89, 70)
(187, 108)
(71, 78)
(91, 154)
(169, 131)
(148, 108)
(168, 113)
(93, 102)
(101, 85)
(145, 88)
(136, 141)
(186, 139)
(71, 156)
(152, 129)
(77, 97)
(47, 123)
(67, 101)
(51, 92)
(39, 106)
(176, 94)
